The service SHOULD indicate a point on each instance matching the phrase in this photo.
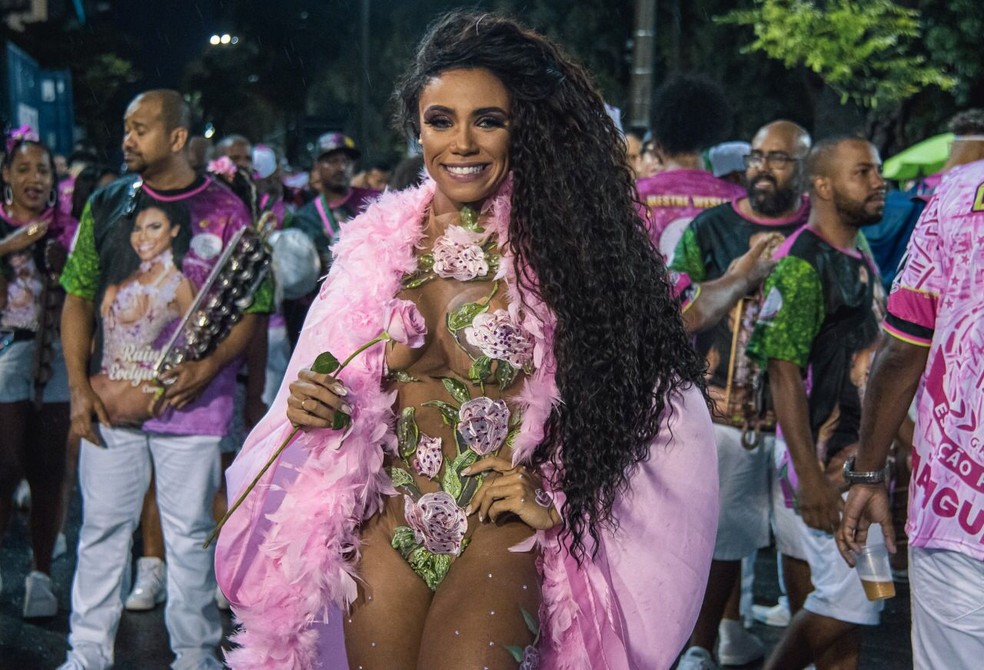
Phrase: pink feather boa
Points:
(286, 560)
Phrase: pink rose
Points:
(458, 255)
(224, 167)
(405, 324)
(437, 522)
(484, 424)
(498, 337)
(429, 457)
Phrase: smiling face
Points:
(152, 233)
(464, 131)
(30, 178)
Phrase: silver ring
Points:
(303, 408)
(542, 498)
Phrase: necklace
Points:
(163, 258)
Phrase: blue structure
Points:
(39, 98)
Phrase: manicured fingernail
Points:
(481, 518)
(339, 390)
(466, 471)
(347, 409)
(469, 510)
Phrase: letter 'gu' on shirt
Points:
(937, 301)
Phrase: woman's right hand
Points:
(23, 237)
(314, 398)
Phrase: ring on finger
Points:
(303, 408)
(542, 498)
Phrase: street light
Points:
(225, 39)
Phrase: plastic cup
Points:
(875, 572)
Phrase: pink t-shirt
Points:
(675, 197)
(937, 301)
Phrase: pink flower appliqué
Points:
(405, 324)
(437, 522)
(458, 255)
(484, 424)
(498, 337)
(224, 167)
(429, 457)
(531, 659)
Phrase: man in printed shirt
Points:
(817, 330)
(936, 345)
(721, 306)
(146, 244)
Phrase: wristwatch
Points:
(851, 476)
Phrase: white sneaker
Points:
(777, 615)
(737, 646)
(39, 601)
(149, 589)
(697, 658)
(60, 548)
(22, 496)
(221, 601)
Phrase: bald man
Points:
(719, 264)
(146, 243)
(818, 327)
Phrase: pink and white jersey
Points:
(673, 198)
(937, 301)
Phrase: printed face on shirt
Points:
(152, 233)
(147, 143)
(856, 183)
(30, 178)
(464, 133)
(775, 174)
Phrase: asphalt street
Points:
(141, 643)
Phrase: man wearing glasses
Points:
(718, 266)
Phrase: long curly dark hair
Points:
(119, 258)
(578, 242)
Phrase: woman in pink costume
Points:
(525, 476)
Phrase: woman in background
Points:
(33, 384)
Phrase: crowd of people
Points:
(536, 397)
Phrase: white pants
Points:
(114, 480)
(947, 609)
(743, 521)
(278, 356)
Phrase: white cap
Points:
(264, 161)
(725, 157)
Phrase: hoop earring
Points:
(52, 198)
(8, 194)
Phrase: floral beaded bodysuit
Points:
(453, 395)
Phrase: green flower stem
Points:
(382, 337)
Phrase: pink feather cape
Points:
(287, 558)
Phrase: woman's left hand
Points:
(517, 490)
